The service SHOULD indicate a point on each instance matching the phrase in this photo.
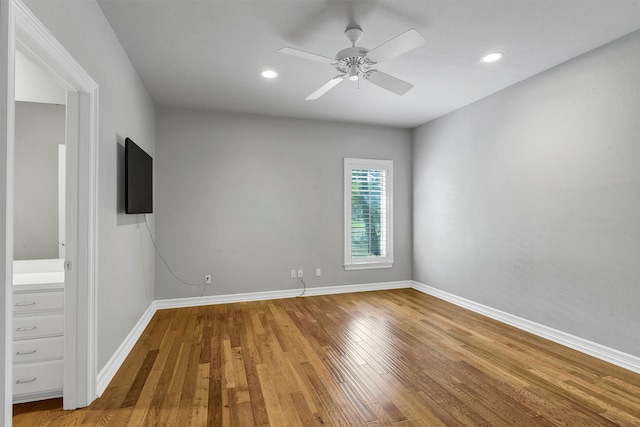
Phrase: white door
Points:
(62, 167)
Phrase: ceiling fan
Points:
(356, 62)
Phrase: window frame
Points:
(351, 263)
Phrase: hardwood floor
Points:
(397, 358)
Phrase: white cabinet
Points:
(36, 381)
(38, 341)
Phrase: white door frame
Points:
(27, 34)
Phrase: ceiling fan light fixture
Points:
(269, 74)
(492, 57)
(353, 72)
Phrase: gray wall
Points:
(125, 253)
(529, 201)
(248, 198)
(40, 129)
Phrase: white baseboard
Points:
(289, 293)
(596, 350)
(108, 372)
(32, 397)
(347, 289)
(113, 364)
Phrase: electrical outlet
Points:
(207, 279)
(300, 273)
(318, 272)
(294, 274)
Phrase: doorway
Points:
(30, 38)
(39, 188)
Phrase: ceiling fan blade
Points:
(397, 46)
(307, 55)
(325, 88)
(388, 82)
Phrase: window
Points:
(368, 189)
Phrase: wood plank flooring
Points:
(386, 358)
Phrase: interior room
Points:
(360, 212)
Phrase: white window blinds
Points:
(368, 185)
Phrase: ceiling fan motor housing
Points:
(351, 56)
(353, 34)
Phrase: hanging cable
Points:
(167, 265)
(304, 286)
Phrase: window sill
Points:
(368, 265)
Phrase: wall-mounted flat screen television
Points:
(138, 178)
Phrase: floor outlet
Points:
(207, 279)
(300, 273)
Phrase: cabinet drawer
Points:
(37, 301)
(38, 326)
(38, 349)
(37, 377)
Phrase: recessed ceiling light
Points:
(492, 57)
(269, 74)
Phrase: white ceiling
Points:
(208, 54)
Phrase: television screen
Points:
(138, 178)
